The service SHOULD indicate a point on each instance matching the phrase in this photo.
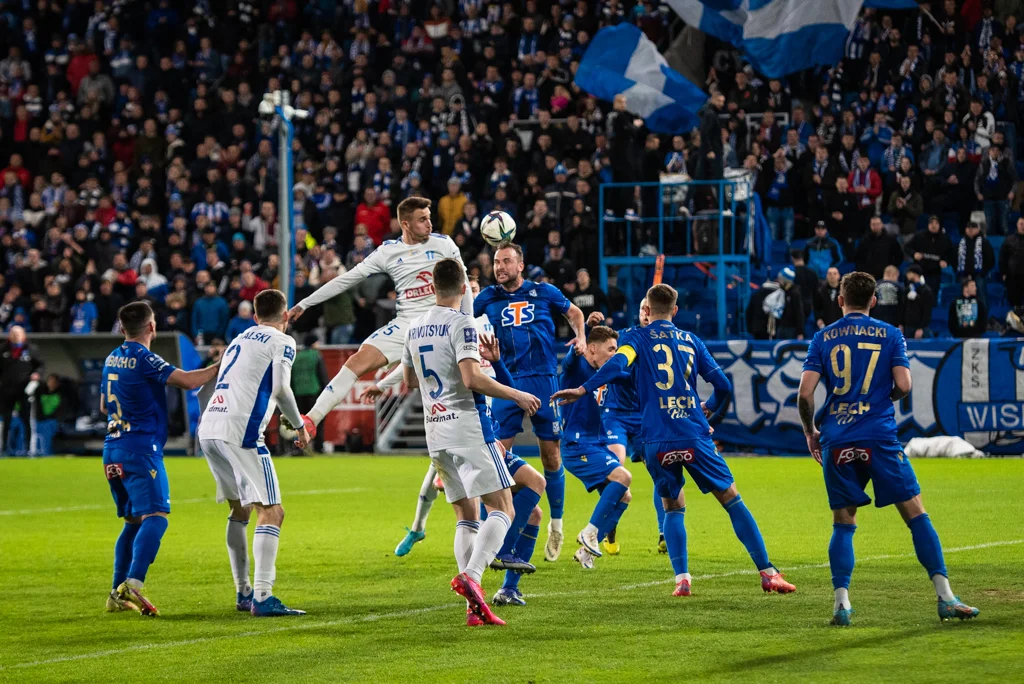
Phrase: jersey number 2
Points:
(227, 369)
(428, 373)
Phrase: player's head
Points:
(645, 314)
(449, 280)
(661, 303)
(857, 292)
(414, 217)
(508, 264)
(601, 345)
(270, 307)
(137, 321)
(474, 285)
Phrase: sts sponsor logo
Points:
(516, 314)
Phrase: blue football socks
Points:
(747, 532)
(675, 540)
(523, 503)
(613, 491)
(840, 555)
(556, 491)
(147, 543)
(523, 549)
(927, 545)
(612, 521)
(659, 509)
(123, 552)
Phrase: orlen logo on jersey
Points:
(516, 314)
(423, 290)
(669, 458)
(851, 455)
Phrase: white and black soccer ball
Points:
(497, 227)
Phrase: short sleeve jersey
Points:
(135, 396)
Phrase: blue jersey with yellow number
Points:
(664, 362)
(134, 380)
(524, 325)
(581, 420)
(855, 357)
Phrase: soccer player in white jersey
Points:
(442, 358)
(255, 379)
(409, 263)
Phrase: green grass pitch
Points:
(375, 617)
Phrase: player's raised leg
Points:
(612, 503)
(528, 487)
(416, 533)
(368, 359)
(929, 554)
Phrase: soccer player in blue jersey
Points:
(521, 312)
(621, 420)
(585, 451)
(864, 364)
(664, 362)
(134, 398)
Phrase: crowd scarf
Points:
(961, 256)
(993, 172)
(16, 350)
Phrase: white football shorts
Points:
(390, 340)
(242, 474)
(471, 471)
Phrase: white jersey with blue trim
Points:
(410, 267)
(435, 343)
(243, 399)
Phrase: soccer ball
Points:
(497, 227)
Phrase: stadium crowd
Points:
(135, 165)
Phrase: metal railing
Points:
(400, 421)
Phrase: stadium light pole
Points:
(276, 107)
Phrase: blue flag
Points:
(891, 4)
(778, 37)
(622, 60)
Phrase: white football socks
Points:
(488, 542)
(465, 539)
(842, 599)
(428, 492)
(238, 554)
(682, 576)
(555, 524)
(264, 552)
(942, 588)
(336, 390)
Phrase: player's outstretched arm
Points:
(805, 405)
(901, 383)
(609, 372)
(490, 350)
(595, 319)
(374, 392)
(190, 380)
(474, 380)
(337, 285)
(282, 391)
(716, 407)
(579, 327)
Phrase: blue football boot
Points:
(508, 596)
(956, 609)
(243, 601)
(510, 561)
(842, 617)
(405, 546)
(272, 607)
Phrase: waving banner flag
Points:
(622, 60)
(778, 37)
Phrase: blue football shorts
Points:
(666, 462)
(547, 422)
(591, 464)
(138, 482)
(849, 467)
(623, 427)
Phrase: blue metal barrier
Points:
(673, 229)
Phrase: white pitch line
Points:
(373, 617)
(205, 499)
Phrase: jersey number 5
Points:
(115, 423)
(845, 372)
(427, 373)
(666, 367)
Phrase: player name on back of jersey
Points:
(429, 330)
(261, 337)
(857, 329)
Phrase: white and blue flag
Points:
(778, 37)
(622, 60)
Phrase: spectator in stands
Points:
(1011, 267)
(777, 189)
(842, 215)
(375, 215)
(931, 249)
(826, 300)
(968, 316)
(241, 322)
(210, 315)
(975, 258)
(993, 186)
(905, 205)
(920, 301)
(776, 310)
(956, 187)
(450, 207)
(891, 298)
(822, 251)
(866, 185)
(877, 249)
(805, 279)
(83, 314)
(588, 297)
(20, 368)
